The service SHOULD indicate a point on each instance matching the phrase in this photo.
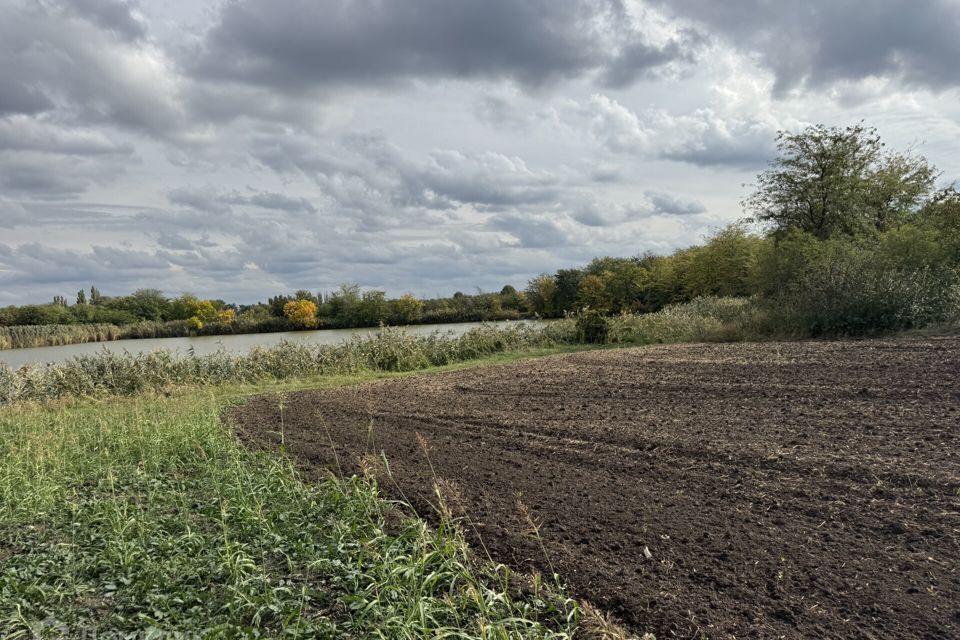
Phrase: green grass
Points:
(144, 514)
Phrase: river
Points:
(210, 344)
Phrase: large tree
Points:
(831, 180)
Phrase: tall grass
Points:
(146, 517)
(706, 319)
(51, 335)
(109, 373)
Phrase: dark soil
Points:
(737, 490)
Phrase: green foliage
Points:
(407, 309)
(147, 304)
(592, 327)
(147, 518)
(539, 295)
(849, 287)
(832, 180)
(373, 309)
(724, 266)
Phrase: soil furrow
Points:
(745, 490)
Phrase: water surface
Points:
(210, 344)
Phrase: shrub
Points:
(591, 327)
(850, 288)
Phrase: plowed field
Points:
(746, 490)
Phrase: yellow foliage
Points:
(226, 316)
(301, 313)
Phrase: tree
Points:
(81, 297)
(301, 313)
(343, 304)
(188, 306)
(539, 294)
(592, 293)
(942, 213)
(277, 304)
(144, 304)
(565, 295)
(623, 285)
(373, 308)
(510, 298)
(303, 294)
(95, 297)
(898, 187)
(724, 266)
(832, 180)
(408, 309)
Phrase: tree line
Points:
(841, 236)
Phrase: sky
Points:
(242, 148)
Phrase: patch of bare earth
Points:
(739, 490)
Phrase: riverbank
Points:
(389, 350)
(236, 344)
(58, 335)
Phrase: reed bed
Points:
(705, 319)
(109, 373)
(53, 335)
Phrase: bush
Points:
(591, 327)
(848, 288)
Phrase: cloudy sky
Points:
(244, 147)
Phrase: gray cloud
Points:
(591, 213)
(203, 199)
(279, 202)
(821, 42)
(22, 133)
(302, 44)
(53, 176)
(670, 204)
(12, 214)
(532, 231)
(209, 199)
(704, 138)
(382, 186)
(708, 139)
(118, 16)
(640, 59)
(43, 159)
(16, 96)
(88, 62)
